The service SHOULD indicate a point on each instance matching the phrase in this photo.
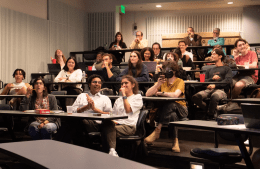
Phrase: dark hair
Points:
(90, 78)
(100, 53)
(139, 65)
(16, 70)
(191, 28)
(108, 54)
(76, 64)
(178, 52)
(121, 41)
(45, 92)
(56, 56)
(173, 66)
(156, 43)
(133, 81)
(141, 33)
(217, 47)
(220, 52)
(182, 41)
(175, 56)
(240, 39)
(150, 50)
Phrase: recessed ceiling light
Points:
(230, 3)
(158, 6)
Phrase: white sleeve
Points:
(136, 103)
(61, 74)
(76, 76)
(107, 105)
(78, 102)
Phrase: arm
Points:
(178, 92)
(154, 89)
(116, 72)
(143, 44)
(125, 72)
(207, 79)
(123, 45)
(198, 41)
(60, 77)
(227, 79)
(133, 44)
(76, 76)
(6, 89)
(254, 60)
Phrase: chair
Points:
(61, 99)
(90, 57)
(106, 91)
(221, 155)
(137, 140)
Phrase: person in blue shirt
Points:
(216, 40)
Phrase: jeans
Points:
(44, 133)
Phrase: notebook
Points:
(251, 115)
(54, 68)
(151, 66)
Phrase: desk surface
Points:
(212, 125)
(58, 155)
(63, 115)
(247, 100)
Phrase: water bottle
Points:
(83, 76)
(180, 63)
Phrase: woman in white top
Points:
(60, 58)
(16, 88)
(129, 105)
(70, 73)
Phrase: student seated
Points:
(215, 92)
(186, 60)
(170, 86)
(16, 88)
(38, 98)
(135, 68)
(60, 58)
(70, 73)
(129, 105)
(147, 54)
(98, 64)
(118, 44)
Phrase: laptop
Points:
(54, 68)
(151, 66)
(251, 115)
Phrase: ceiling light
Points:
(230, 3)
(158, 6)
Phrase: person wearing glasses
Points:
(158, 54)
(38, 98)
(139, 42)
(216, 40)
(169, 85)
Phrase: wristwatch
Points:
(124, 97)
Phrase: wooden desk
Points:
(247, 100)
(237, 130)
(52, 154)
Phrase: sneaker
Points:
(113, 152)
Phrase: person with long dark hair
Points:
(147, 54)
(135, 68)
(60, 58)
(38, 98)
(118, 44)
(70, 73)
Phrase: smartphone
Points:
(162, 76)
(115, 46)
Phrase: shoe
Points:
(152, 137)
(113, 152)
(176, 147)
(221, 107)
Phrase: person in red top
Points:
(247, 59)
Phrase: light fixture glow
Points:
(158, 6)
(230, 3)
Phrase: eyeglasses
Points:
(95, 82)
(216, 32)
(137, 35)
(147, 53)
(124, 83)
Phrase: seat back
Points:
(90, 56)
(59, 92)
(140, 128)
(106, 91)
(123, 65)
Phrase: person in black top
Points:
(118, 44)
(215, 92)
(186, 60)
(158, 54)
(111, 72)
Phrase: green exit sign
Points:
(122, 9)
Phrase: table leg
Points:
(244, 152)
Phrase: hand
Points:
(9, 85)
(136, 40)
(62, 78)
(215, 77)
(161, 81)
(211, 86)
(29, 91)
(159, 94)
(191, 34)
(158, 67)
(235, 53)
(51, 58)
(113, 48)
(105, 63)
(122, 89)
(41, 126)
(67, 80)
(90, 102)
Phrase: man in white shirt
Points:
(183, 46)
(93, 102)
(139, 42)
